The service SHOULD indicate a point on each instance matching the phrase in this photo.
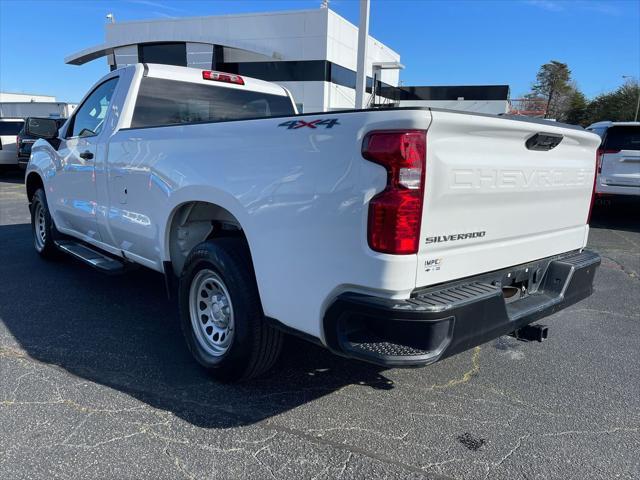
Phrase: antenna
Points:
(325, 4)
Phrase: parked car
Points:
(9, 129)
(618, 158)
(25, 141)
(397, 236)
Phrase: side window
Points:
(89, 118)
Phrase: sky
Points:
(454, 42)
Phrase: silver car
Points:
(618, 158)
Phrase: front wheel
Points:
(42, 226)
(221, 314)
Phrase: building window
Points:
(164, 53)
(299, 71)
(288, 71)
(343, 76)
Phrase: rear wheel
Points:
(42, 227)
(221, 314)
(211, 312)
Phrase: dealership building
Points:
(310, 52)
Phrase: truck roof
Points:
(194, 75)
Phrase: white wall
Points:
(127, 55)
(341, 98)
(233, 55)
(295, 35)
(25, 97)
(342, 48)
(322, 96)
(35, 109)
(311, 94)
(199, 55)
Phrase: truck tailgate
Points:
(492, 202)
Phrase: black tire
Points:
(254, 345)
(42, 228)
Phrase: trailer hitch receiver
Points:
(531, 333)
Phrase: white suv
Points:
(9, 129)
(618, 158)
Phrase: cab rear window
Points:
(623, 138)
(170, 102)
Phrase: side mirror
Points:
(46, 128)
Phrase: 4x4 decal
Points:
(294, 124)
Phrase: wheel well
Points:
(195, 222)
(34, 182)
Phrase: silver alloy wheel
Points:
(211, 312)
(39, 227)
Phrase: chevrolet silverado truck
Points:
(394, 236)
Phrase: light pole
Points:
(361, 69)
(635, 119)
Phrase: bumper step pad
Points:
(369, 344)
(448, 298)
(438, 322)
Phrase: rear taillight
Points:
(18, 140)
(599, 154)
(222, 77)
(395, 214)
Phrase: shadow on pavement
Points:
(617, 213)
(122, 332)
(12, 175)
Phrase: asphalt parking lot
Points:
(95, 382)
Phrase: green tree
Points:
(577, 113)
(618, 106)
(553, 83)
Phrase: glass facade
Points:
(165, 53)
(298, 71)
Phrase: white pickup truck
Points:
(398, 237)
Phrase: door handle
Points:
(87, 155)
